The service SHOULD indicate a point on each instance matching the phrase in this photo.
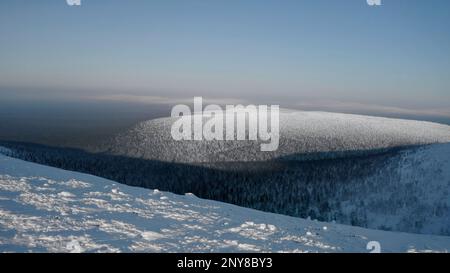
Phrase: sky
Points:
(310, 53)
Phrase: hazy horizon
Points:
(343, 55)
(73, 75)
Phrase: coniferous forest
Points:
(365, 191)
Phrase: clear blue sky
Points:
(397, 54)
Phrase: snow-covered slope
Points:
(303, 135)
(47, 209)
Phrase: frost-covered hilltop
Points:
(372, 185)
(46, 209)
(303, 135)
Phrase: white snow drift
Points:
(46, 209)
(303, 135)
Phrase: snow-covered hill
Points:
(47, 209)
(303, 135)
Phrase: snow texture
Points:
(44, 209)
(303, 135)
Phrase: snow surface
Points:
(44, 209)
(303, 135)
(410, 192)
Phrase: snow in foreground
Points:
(46, 209)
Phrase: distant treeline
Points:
(327, 190)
